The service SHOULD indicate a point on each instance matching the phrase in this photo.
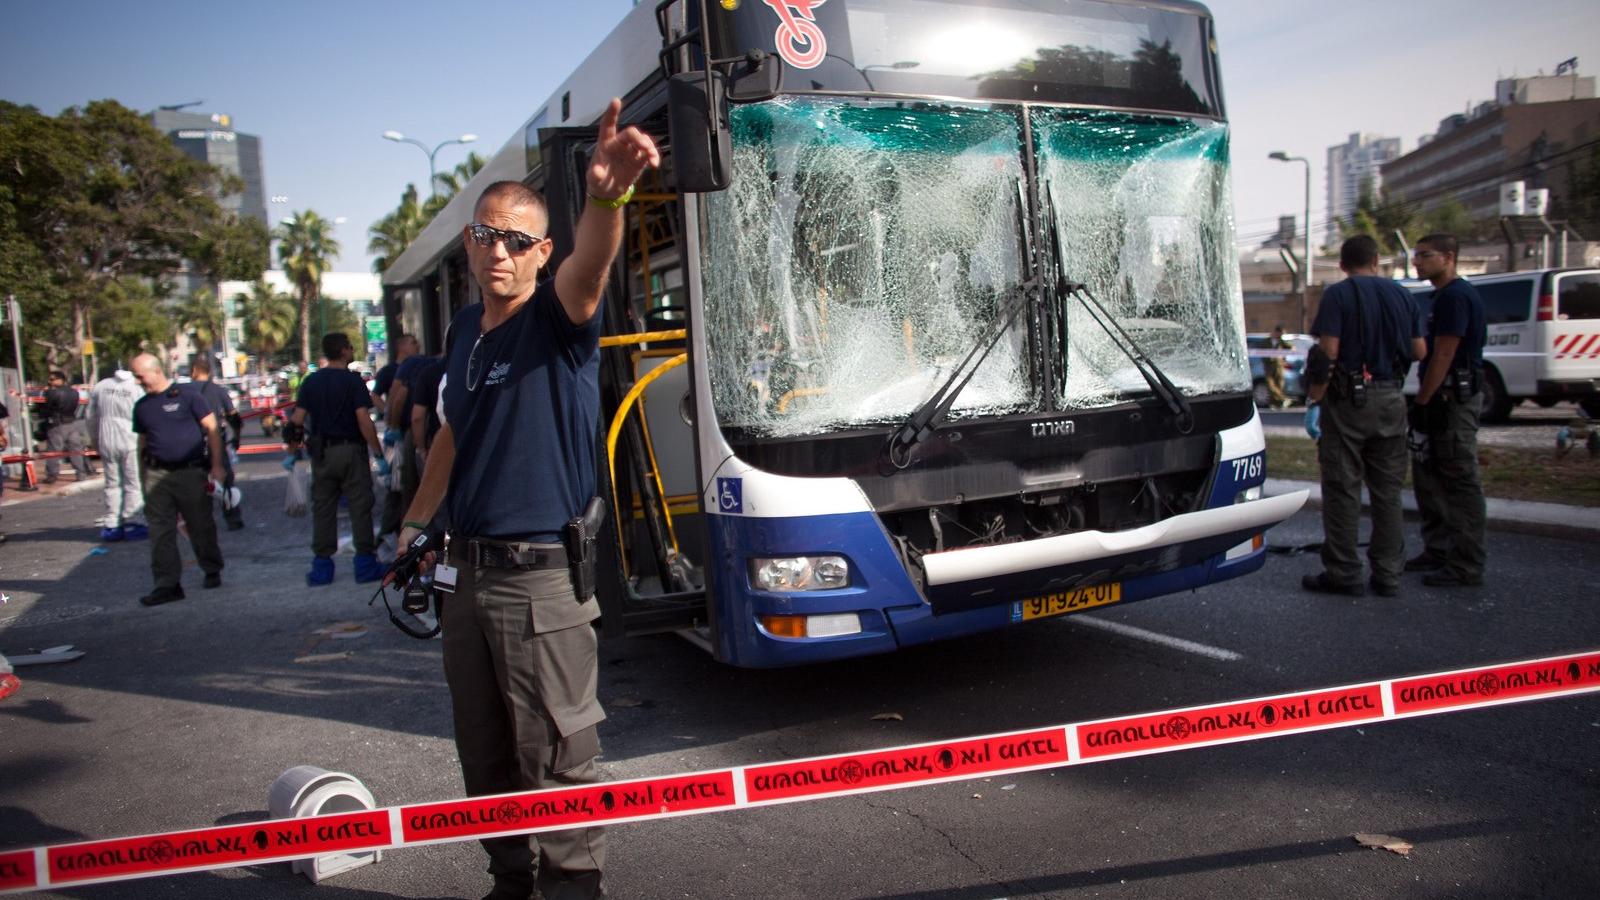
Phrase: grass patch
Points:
(1507, 473)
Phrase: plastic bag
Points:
(393, 455)
(298, 495)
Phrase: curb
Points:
(1555, 520)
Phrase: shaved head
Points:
(147, 370)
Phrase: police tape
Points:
(743, 787)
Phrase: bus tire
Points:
(1496, 405)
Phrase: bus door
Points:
(649, 580)
(1572, 331)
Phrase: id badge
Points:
(444, 578)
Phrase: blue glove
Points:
(288, 462)
(391, 437)
(383, 467)
(1314, 421)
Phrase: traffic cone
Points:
(30, 480)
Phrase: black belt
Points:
(176, 466)
(485, 553)
(339, 441)
(1387, 382)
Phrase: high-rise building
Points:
(1353, 168)
(211, 138)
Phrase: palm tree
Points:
(306, 248)
(392, 234)
(200, 317)
(450, 183)
(269, 318)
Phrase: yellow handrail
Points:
(622, 340)
(621, 415)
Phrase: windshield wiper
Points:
(919, 426)
(1160, 385)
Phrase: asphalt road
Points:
(1532, 427)
(182, 716)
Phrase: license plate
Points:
(1065, 602)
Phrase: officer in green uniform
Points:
(179, 441)
(1370, 329)
(1445, 477)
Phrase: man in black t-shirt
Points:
(1445, 479)
(424, 408)
(179, 441)
(382, 389)
(221, 406)
(1371, 330)
(66, 432)
(516, 453)
(331, 418)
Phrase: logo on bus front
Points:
(799, 39)
(730, 495)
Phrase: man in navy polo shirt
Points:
(335, 401)
(516, 452)
(179, 441)
(1449, 492)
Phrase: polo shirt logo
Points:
(497, 374)
(171, 407)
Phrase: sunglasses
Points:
(486, 236)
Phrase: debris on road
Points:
(888, 717)
(1383, 842)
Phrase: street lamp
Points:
(1305, 277)
(399, 138)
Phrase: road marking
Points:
(1154, 637)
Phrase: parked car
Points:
(1294, 364)
(1543, 338)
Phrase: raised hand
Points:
(620, 156)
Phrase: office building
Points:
(211, 138)
(1355, 167)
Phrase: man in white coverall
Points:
(111, 417)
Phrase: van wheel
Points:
(1496, 405)
(1590, 406)
(1262, 395)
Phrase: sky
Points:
(319, 83)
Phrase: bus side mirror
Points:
(702, 159)
(761, 80)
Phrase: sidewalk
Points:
(1544, 519)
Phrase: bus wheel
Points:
(1496, 405)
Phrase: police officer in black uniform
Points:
(179, 442)
(335, 403)
(65, 432)
(1445, 476)
(221, 406)
(1371, 330)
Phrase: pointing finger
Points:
(608, 121)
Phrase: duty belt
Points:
(339, 441)
(489, 554)
(1386, 383)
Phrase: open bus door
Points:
(647, 582)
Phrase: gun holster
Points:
(581, 537)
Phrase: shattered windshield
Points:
(1145, 212)
(861, 250)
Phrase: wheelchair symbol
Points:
(730, 495)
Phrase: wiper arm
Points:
(920, 424)
(1160, 385)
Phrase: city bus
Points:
(929, 324)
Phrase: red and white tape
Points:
(742, 787)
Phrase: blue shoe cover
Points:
(110, 535)
(321, 572)
(135, 532)
(368, 568)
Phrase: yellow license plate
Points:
(1075, 600)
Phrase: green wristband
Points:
(420, 526)
(616, 203)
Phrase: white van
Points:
(1544, 338)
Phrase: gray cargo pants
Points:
(520, 658)
(1449, 492)
(1363, 446)
(167, 495)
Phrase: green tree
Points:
(269, 321)
(450, 183)
(1380, 217)
(91, 198)
(1583, 195)
(200, 317)
(306, 249)
(132, 320)
(391, 235)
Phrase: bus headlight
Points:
(799, 573)
(1248, 494)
